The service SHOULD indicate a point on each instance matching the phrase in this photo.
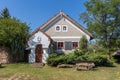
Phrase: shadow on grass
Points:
(118, 62)
(2, 66)
(111, 66)
(87, 70)
(94, 69)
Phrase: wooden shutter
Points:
(55, 45)
(68, 46)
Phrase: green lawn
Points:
(22, 70)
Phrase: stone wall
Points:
(5, 56)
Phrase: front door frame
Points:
(38, 53)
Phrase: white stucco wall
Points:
(33, 41)
(32, 56)
(45, 55)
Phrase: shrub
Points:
(70, 58)
(85, 57)
(51, 60)
(102, 61)
(78, 53)
(83, 44)
(99, 60)
(54, 59)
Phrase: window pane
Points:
(58, 28)
(64, 28)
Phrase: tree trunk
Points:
(108, 50)
(108, 53)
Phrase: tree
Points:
(13, 34)
(102, 18)
(83, 44)
(5, 13)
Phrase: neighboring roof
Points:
(36, 32)
(67, 17)
(117, 53)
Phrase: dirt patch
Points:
(20, 76)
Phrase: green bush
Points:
(100, 60)
(69, 58)
(83, 44)
(51, 60)
(83, 58)
(78, 53)
(54, 59)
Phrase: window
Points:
(58, 28)
(64, 28)
(75, 45)
(60, 45)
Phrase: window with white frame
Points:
(64, 28)
(57, 28)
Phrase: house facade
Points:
(38, 44)
(64, 34)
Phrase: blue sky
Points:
(36, 12)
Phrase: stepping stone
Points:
(38, 64)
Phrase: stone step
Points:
(38, 65)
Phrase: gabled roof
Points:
(36, 32)
(67, 17)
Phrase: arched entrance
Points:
(38, 53)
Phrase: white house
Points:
(60, 33)
(38, 43)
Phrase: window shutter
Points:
(68, 46)
(55, 45)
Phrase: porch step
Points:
(37, 64)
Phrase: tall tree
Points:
(13, 34)
(103, 20)
(83, 44)
(5, 13)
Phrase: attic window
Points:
(58, 28)
(64, 28)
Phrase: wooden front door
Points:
(38, 53)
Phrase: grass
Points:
(52, 73)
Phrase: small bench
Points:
(85, 65)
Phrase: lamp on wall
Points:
(39, 39)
